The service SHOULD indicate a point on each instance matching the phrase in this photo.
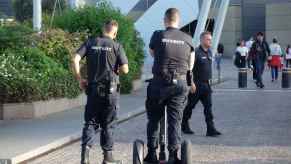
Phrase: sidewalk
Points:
(255, 125)
(230, 73)
(23, 139)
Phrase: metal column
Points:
(202, 19)
(37, 15)
(219, 22)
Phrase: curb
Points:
(64, 141)
(76, 136)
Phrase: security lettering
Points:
(102, 48)
(171, 41)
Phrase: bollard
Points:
(242, 78)
(286, 77)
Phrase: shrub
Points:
(29, 75)
(59, 45)
(36, 67)
(91, 19)
(15, 36)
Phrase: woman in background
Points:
(275, 58)
(243, 50)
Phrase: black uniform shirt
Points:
(172, 49)
(261, 49)
(103, 54)
(202, 70)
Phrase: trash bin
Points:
(242, 77)
(286, 77)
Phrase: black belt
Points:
(171, 80)
(177, 77)
(203, 81)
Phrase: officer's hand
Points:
(83, 84)
(193, 88)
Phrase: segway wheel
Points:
(138, 152)
(186, 152)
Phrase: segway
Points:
(138, 147)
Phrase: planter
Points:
(39, 108)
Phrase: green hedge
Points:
(30, 71)
(29, 75)
(91, 19)
(37, 67)
(59, 45)
(15, 36)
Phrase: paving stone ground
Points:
(256, 127)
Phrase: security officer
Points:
(202, 74)
(171, 50)
(105, 60)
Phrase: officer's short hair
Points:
(172, 15)
(204, 33)
(108, 25)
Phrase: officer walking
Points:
(105, 60)
(202, 74)
(171, 50)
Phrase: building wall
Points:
(253, 17)
(232, 30)
(278, 22)
(6, 8)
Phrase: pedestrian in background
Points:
(243, 50)
(218, 57)
(275, 58)
(288, 56)
(261, 50)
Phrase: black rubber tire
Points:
(186, 152)
(138, 152)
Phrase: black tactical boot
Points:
(173, 157)
(211, 131)
(85, 155)
(108, 158)
(186, 127)
(151, 157)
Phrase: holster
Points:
(170, 77)
(104, 89)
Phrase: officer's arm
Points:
(76, 62)
(190, 81)
(192, 60)
(81, 52)
(151, 52)
(122, 61)
(153, 43)
(124, 69)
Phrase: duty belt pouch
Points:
(170, 77)
(114, 87)
(102, 89)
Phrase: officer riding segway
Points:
(167, 94)
(105, 60)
